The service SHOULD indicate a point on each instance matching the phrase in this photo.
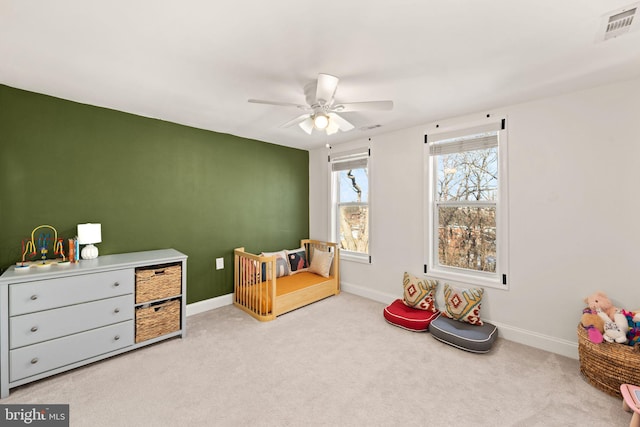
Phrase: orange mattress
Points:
(258, 298)
(288, 284)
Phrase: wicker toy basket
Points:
(158, 282)
(157, 320)
(608, 365)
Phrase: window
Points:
(467, 232)
(350, 216)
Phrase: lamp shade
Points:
(89, 233)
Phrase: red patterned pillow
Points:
(419, 292)
(463, 304)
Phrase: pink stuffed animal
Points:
(615, 323)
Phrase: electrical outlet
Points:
(219, 263)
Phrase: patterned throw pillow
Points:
(419, 293)
(463, 304)
(282, 265)
(297, 260)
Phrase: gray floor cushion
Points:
(477, 339)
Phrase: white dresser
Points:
(61, 317)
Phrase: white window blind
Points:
(463, 144)
(345, 165)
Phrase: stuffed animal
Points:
(633, 320)
(615, 323)
(593, 324)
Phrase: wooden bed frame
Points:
(257, 291)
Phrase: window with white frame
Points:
(467, 208)
(350, 212)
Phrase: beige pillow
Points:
(321, 262)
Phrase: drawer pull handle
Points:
(34, 297)
(34, 360)
(117, 310)
(117, 337)
(158, 272)
(116, 284)
(34, 329)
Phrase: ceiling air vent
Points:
(619, 22)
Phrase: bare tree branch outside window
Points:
(467, 185)
(354, 211)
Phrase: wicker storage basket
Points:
(607, 365)
(157, 320)
(158, 282)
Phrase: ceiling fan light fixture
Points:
(333, 127)
(307, 125)
(320, 121)
(321, 110)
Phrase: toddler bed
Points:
(271, 284)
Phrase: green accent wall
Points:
(151, 184)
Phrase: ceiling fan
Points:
(321, 111)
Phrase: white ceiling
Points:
(196, 62)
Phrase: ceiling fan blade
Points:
(295, 121)
(307, 125)
(326, 88)
(283, 104)
(343, 124)
(362, 106)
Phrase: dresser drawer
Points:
(35, 359)
(45, 325)
(46, 294)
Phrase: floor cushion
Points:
(403, 316)
(473, 338)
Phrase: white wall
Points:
(574, 189)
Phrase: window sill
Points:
(355, 257)
(468, 279)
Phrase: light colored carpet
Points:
(333, 363)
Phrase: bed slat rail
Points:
(254, 287)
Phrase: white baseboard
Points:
(368, 293)
(209, 304)
(511, 333)
(534, 339)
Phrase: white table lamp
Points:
(88, 234)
